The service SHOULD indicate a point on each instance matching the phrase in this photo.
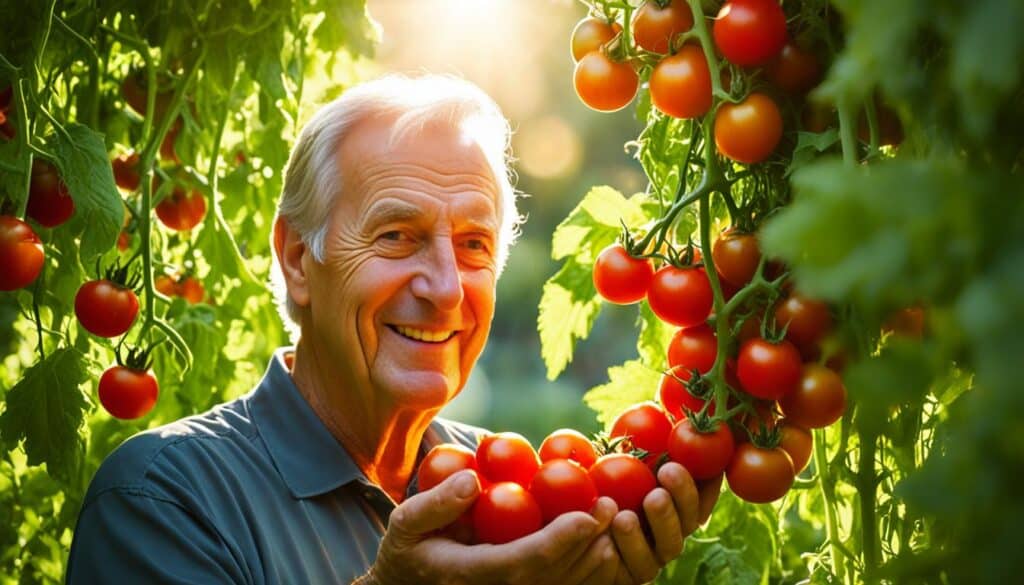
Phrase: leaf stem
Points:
(829, 497)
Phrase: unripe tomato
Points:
(621, 278)
(126, 393)
(750, 130)
(605, 85)
(21, 253)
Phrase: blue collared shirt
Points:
(256, 490)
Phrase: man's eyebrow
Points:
(385, 212)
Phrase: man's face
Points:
(404, 298)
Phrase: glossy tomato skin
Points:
(694, 348)
(504, 512)
(676, 399)
(798, 443)
(681, 296)
(568, 444)
(105, 308)
(760, 475)
(807, 320)
(748, 131)
(623, 478)
(647, 427)
(126, 393)
(768, 370)
(736, 257)
(589, 35)
(48, 200)
(126, 171)
(441, 462)
(507, 457)
(818, 401)
(21, 253)
(621, 278)
(704, 455)
(750, 32)
(605, 85)
(181, 210)
(655, 27)
(794, 70)
(561, 486)
(681, 84)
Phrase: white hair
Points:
(313, 177)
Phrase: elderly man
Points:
(393, 226)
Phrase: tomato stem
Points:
(847, 131)
(821, 466)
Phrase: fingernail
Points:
(465, 485)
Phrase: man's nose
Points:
(439, 280)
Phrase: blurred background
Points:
(518, 52)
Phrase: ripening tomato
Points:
(568, 444)
(807, 321)
(647, 427)
(750, 32)
(655, 26)
(621, 278)
(623, 478)
(591, 34)
(681, 296)
(48, 200)
(128, 393)
(681, 84)
(21, 253)
(106, 308)
(605, 85)
(676, 399)
(441, 462)
(507, 457)
(818, 401)
(736, 257)
(504, 512)
(561, 486)
(126, 171)
(768, 370)
(191, 290)
(181, 211)
(794, 71)
(750, 130)
(703, 454)
(760, 475)
(798, 442)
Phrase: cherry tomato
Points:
(621, 278)
(134, 92)
(656, 26)
(750, 130)
(681, 296)
(504, 512)
(797, 442)
(568, 444)
(760, 475)
(908, 322)
(818, 401)
(768, 370)
(191, 290)
(167, 151)
(442, 461)
(605, 85)
(48, 200)
(675, 398)
(507, 457)
(21, 253)
(681, 84)
(124, 241)
(807, 321)
(105, 308)
(166, 285)
(561, 486)
(623, 478)
(181, 211)
(589, 35)
(750, 32)
(126, 393)
(736, 257)
(693, 348)
(704, 455)
(126, 171)
(762, 419)
(794, 71)
(647, 427)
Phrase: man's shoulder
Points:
(450, 431)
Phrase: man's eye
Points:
(476, 244)
(393, 235)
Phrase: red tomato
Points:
(693, 348)
(124, 241)
(181, 211)
(507, 457)
(191, 290)
(704, 455)
(675, 398)
(818, 401)
(442, 462)
(806, 320)
(623, 478)
(166, 285)
(134, 92)
(681, 296)
(798, 443)
(768, 370)
(681, 84)
(589, 35)
(504, 512)
(561, 486)
(605, 85)
(105, 308)
(736, 257)
(750, 32)
(48, 200)
(749, 131)
(647, 427)
(126, 171)
(908, 322)
(656, 26)
(621, 278)
(167, 151)
(794, 71)
(126, 393)
(568, 444)
(21, 253)
(760, 475)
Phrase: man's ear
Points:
(290, 249)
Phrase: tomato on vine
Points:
(806, 320)
(645, 426)
(507, 457)
(704, 449)
(560, 486)
(603, 84)
(736, 256)
(794, 70)
(768, 370)
(623, 478)
(21, 253)
(108, 307)
(181, 210)
(126, 171)
(760, 475)
(748, 131)
(680, 84)
(656, 24)
(568, 444)
(750, 32)
(620, 277)
(693, 348)
(591, 34)
(681, 296)
(48, 200)
(797, 442)
(818, 401)
(129, 390)
(504, 512)
(676, 398)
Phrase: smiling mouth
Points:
(423, 335)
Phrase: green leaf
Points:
(595, 223)
(568, 307)
(628, 384)
(346, 23)
(653, 341)
(218, 246)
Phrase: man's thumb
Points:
(435, 508)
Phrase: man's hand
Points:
(674, 511)
(574, 548)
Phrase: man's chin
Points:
(421, 390)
